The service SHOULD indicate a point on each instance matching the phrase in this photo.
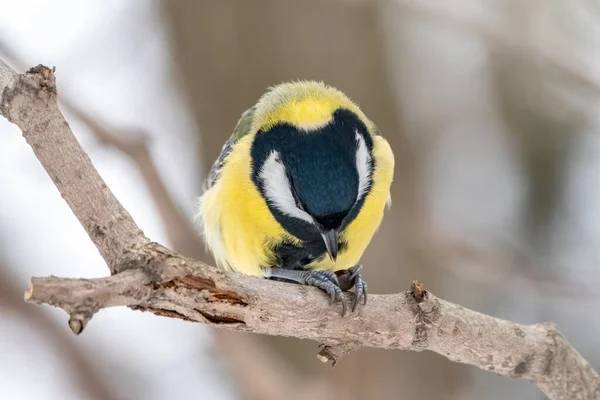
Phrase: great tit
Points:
(298, 190)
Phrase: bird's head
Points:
(312, 159)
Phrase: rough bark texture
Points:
(148, 276)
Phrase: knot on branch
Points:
(46, 80)
(326, 355)
(78, 320)
(333, 353)
(37, 84)
(417, 291)
(426, 311)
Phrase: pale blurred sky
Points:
(112, 59)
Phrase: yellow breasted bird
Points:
(299, 189)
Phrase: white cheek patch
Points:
(277, 188)
(363, 165)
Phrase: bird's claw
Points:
(331, 283)
(327, 281)
(360, 286)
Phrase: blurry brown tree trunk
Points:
(227, 53)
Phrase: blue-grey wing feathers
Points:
(242, 129)
(215, 170)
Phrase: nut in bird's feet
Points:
(352, 277)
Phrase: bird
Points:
(299, 190)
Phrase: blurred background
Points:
(490, 106)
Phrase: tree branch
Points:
(148, 276)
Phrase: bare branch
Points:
(148, 276)
(411, 320)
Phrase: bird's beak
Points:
(331, 243)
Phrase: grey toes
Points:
(328, 282)
(360, 286)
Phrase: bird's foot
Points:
(352, 277)
(324, 280)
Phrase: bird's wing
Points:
(242, 129)
(244, 125)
